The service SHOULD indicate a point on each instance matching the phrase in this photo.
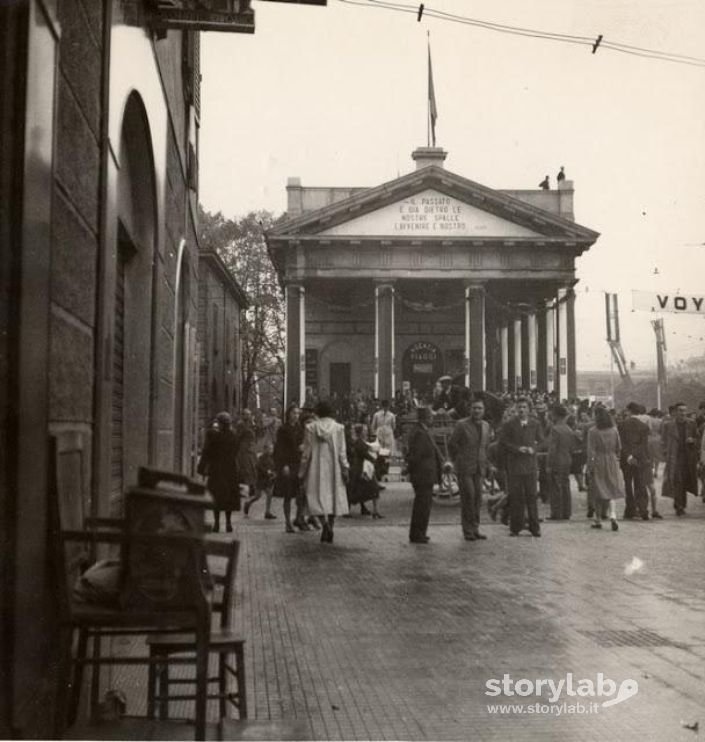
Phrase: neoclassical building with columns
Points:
(392, 286)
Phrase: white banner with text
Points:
(650, 301)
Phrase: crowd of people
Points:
(308, 460)
(538, 444)
(522, 448)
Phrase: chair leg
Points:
(64, 681)
(151, 685)
(201, 682)
(163, 686)
(222, 685)
(77, 682)
(241, 684)
(95, 676)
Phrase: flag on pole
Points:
(432, 111)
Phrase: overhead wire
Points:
(573, 39)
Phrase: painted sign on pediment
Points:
(430, 214)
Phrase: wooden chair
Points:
(224, 642)
(160, 587)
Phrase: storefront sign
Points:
(422, 351)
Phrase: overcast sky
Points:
(337, 96)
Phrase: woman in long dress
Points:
(606, 482)
(247, 456)
(218, 462)
(363, 486)
(287, 459)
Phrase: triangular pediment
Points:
(429, 213)
(433, 203)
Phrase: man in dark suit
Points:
(680, 438)
(467, 447)
(424, 466)
(634, 436)
(561, 444)
(544, 420)
(520, 438)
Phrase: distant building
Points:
(429, 274)
(221, 303)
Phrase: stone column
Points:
(541, 353)
(531, 339)
(517, 381)
(562, 313)
(295, 368)
(504, 345)
(475, 337)
(572, 390)
(493, 378)
(525, 352)
(550, 327)
(384, 340)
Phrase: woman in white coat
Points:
(324, 469)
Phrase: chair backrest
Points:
(163, 573)
(231, 551)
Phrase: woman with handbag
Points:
(363, 486)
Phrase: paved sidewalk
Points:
(375, 638)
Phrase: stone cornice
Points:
(402, 242)
(495, 202)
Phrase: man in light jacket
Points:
(324, 469)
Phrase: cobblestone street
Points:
(376, 638)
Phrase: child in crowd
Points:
(264, 483)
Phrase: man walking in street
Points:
(680, 437)
(544, 420)
(561, 444)
(424, 466)
(467, 447)
(634, 437)
(520, 438)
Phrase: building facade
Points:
(390, 287)
(99, 279)
(221, 303)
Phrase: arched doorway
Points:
(131, 417)
(422, 364)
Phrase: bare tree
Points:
(241, 245)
